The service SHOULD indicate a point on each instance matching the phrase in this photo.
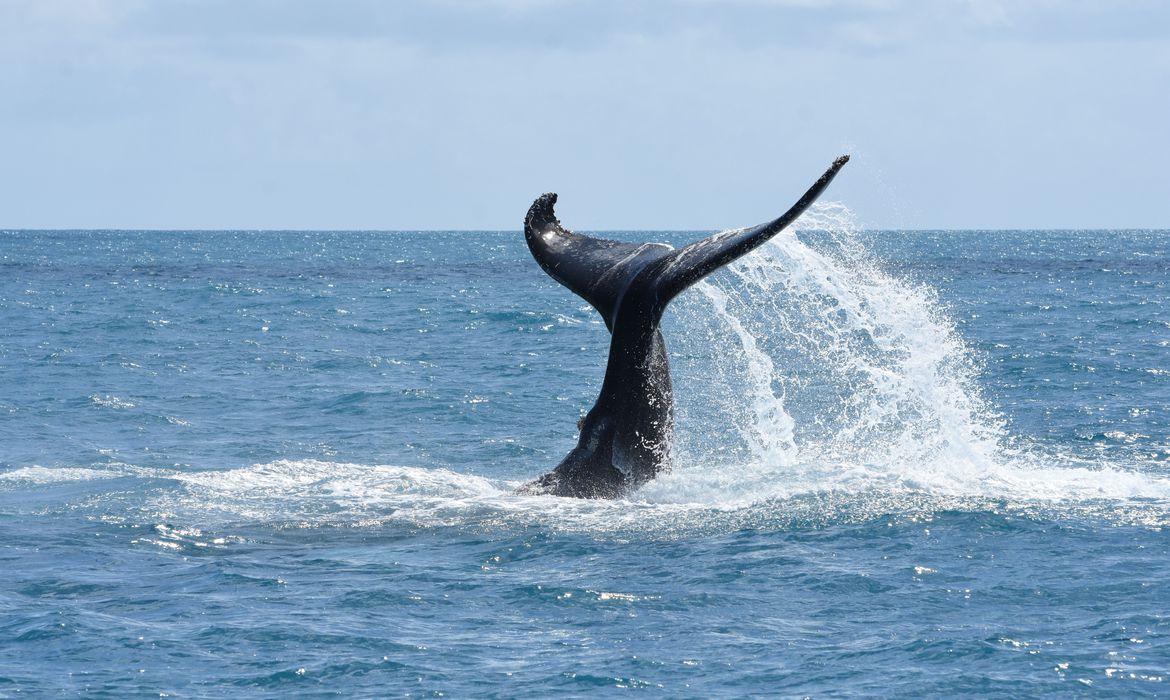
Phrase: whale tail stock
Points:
(625, 438)
(600, 271)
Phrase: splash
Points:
(837, 376)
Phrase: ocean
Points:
(270, 463)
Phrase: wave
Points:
(312, 493)
(301, 494)
(36, 474)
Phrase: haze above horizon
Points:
(667, 115)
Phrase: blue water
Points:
(267, 463)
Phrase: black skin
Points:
(625, 438)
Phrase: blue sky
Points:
(678, 114)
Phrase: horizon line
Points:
(74, 229)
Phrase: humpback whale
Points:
(625, 438)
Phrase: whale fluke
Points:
(625, 437)
(595, 269)
(699, 259)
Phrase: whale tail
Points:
(601, 271)
(625, 438)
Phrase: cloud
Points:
(429, 114)
(588, 24)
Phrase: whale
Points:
(625, 439)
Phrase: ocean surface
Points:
(254, 463)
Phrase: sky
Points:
(651, 114)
